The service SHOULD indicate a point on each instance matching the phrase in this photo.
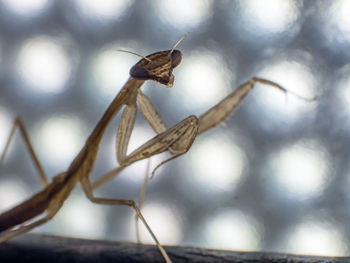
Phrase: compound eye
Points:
(139, 73)
(176, 57)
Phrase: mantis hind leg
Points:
(18, 123)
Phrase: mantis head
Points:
(158, 67)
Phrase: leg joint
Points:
(131, 203)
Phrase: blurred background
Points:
(275, 177)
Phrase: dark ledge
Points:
(52, 249)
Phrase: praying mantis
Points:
(177, 140)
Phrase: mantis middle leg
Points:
(87, 187)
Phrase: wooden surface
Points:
(42, 248)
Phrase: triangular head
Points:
(157, 66)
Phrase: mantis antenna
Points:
(130, 52)
(171, 51)
(178, 42)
